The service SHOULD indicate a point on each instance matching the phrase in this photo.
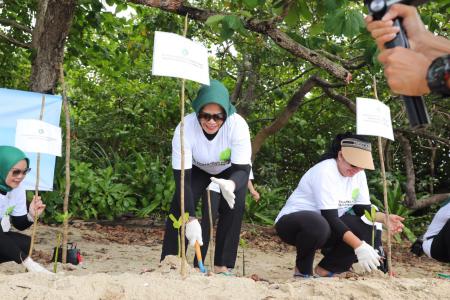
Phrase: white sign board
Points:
(177, 56)
(17, 105)
(38, 136)
(373, 118)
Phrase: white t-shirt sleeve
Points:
(241, 147)
(323, 190)
(19, 200)
(176, 150)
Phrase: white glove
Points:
(6, 224)
(194, 232)
(34, 267)
(368, 258)
(227, 188)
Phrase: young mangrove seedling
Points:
(177, 225)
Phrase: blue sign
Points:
(16, 105)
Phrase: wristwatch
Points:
(439, 74)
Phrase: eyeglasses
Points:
(207, 117)
(17, 172)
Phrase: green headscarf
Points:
(217, 93)
(9, 156)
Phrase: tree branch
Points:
(283, 117)
(423, 134)
(14, 41)
(14, 24)
(262, 27)
(430, 201)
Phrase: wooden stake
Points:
(183, 222)
(385, 200)
(211, 232)
(66, 108)
(36, 189)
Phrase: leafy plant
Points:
(395, 197)
(266, 209)
(371, 216)
(177, 225)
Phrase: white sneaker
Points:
(34, 267)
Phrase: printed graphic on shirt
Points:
(225, 155)
(9, 210)
(355, 194)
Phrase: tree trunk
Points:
(54, 19)
(411, 198)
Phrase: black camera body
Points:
(415, 105)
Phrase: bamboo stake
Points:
(385, 201)
(66, 108)
(183, 221)
(36, 189)
(211, 231)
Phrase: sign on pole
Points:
(17, 105)
(38, 136)
(373, 118)
(177, 56)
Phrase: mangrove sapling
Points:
(55, 263)
(372, 217)
(243, 244)
(177, 225)
(60, 218)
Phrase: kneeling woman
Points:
(15, 246)
(218, 149)
(325, 210)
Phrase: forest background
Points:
(286, 63)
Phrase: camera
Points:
(415, 105)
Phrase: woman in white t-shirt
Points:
(217, 149)
(325, 210)
(436, 241)
(14, 246)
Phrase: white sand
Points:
(116, 271)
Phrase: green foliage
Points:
(99, 193)
(395, 198)
(267, 208)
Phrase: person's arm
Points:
(395, 222)
(420, 39)
(253, 191)
(21, 222)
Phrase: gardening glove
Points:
(227, 188)
(5, 223)
(194, 232)
(34, 267)
(368, 258)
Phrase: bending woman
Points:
(14, 246)
(325, 210)
(217, 148)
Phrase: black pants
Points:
(440, 247)
(14, 246)
(228, 226)
(308, 231)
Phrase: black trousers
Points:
(14, 246)
(308, 231)
(228, 226)
(440, 247)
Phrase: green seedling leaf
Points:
(213, 20)
(368, 216)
